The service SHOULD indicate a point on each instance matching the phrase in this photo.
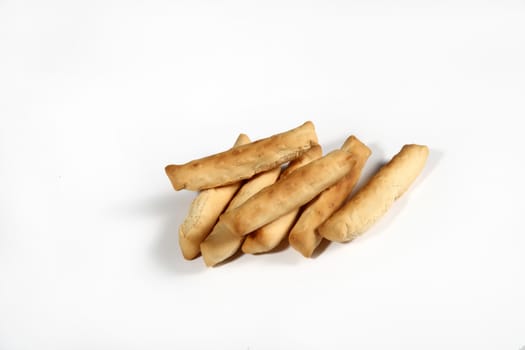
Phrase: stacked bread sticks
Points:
(249, 200)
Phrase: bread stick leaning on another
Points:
(204, 212)
(269, 236)
(221, 244)
(287, 194)
(242, 162)
(377, 196)
(303, 236)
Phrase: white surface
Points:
(96, 97)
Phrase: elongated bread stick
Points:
(243, 162)
(269, 236)
(221, 243)
(287, 194)
(303, 236)
(204, 212)
(377, 196)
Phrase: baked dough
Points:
(242, 162)
(303, 236)
(221, 243)
(269, 236)
(204, 212)
(377, 196)
(287, 194)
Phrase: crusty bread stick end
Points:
(244, 162)
(179, 183)
(170, 170)
(337, 232)
(219, 246)
(304, 244)
(253, 246)
(377, 196)
(190, 250)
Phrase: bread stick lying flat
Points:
(287, 194)
(243, 162)
(204, 212)
(221, 244)
(303, 236)
(269, 236)
(377, 196)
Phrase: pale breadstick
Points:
(221, 244)
(204, 212)
(243, 162)
(269, 236)
(287, 194)
(376, 197)
(303, 236)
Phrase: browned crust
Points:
(220, 243)
(289, 193)
(303, 236)
(242, 162)
(270, 235)
(204, 212)
(377, 196)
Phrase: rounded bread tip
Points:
(242, 139)
(333, 230)
(421, 148)
(421, 151)
(298, 245)
(169, 170)
(311, 125)
(252, 246)
(208, 259)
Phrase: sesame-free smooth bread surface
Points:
(242, 162)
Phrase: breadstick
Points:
(377, 196)
(269, 236)
(221, 244)
(243, 162)
(204, 212)
(287, 194)
(303, 236)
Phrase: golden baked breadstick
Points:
(377, 196)
(221, 244)
(269, 236)
(243, 162)
(287, 194)
(204, 212)
(303, 236)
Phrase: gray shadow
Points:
(166, 251)
(285, 257)
(231, 259)
(333, 144)
(171, 209)
(282, 246)
(321, 248)
(434, 158)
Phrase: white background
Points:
(96, 97)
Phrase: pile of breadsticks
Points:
(248, 199)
